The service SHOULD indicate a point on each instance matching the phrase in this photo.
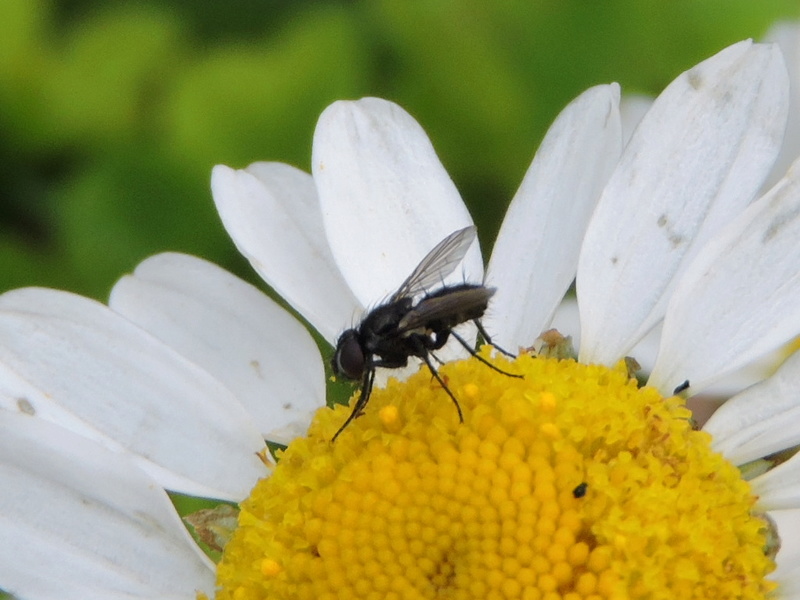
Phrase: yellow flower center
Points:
(570, 483)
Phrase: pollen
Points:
(390, 418)
(570, 483)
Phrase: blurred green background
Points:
(112, 113)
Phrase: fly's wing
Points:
(446, 309)
(437, 264)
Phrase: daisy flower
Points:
(572, 482)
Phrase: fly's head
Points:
(349, 359)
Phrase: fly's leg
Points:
(489, 341)
(438, 378)
(438, 360)
(469, 349)
(366, 391)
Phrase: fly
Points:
(403, 327)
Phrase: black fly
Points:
(401, 328)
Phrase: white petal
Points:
(272, 213)
(89, 369)
(788, 560)
(787, 36)
(386, 199)
(566, 320)
(696, 159)
(739, 299)
(232, 330)
(80, 522)
(736, 381)
(761, 420)
(536, 253)
(779, 488)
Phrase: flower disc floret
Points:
(571, 483)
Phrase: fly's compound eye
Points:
(348, 360)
